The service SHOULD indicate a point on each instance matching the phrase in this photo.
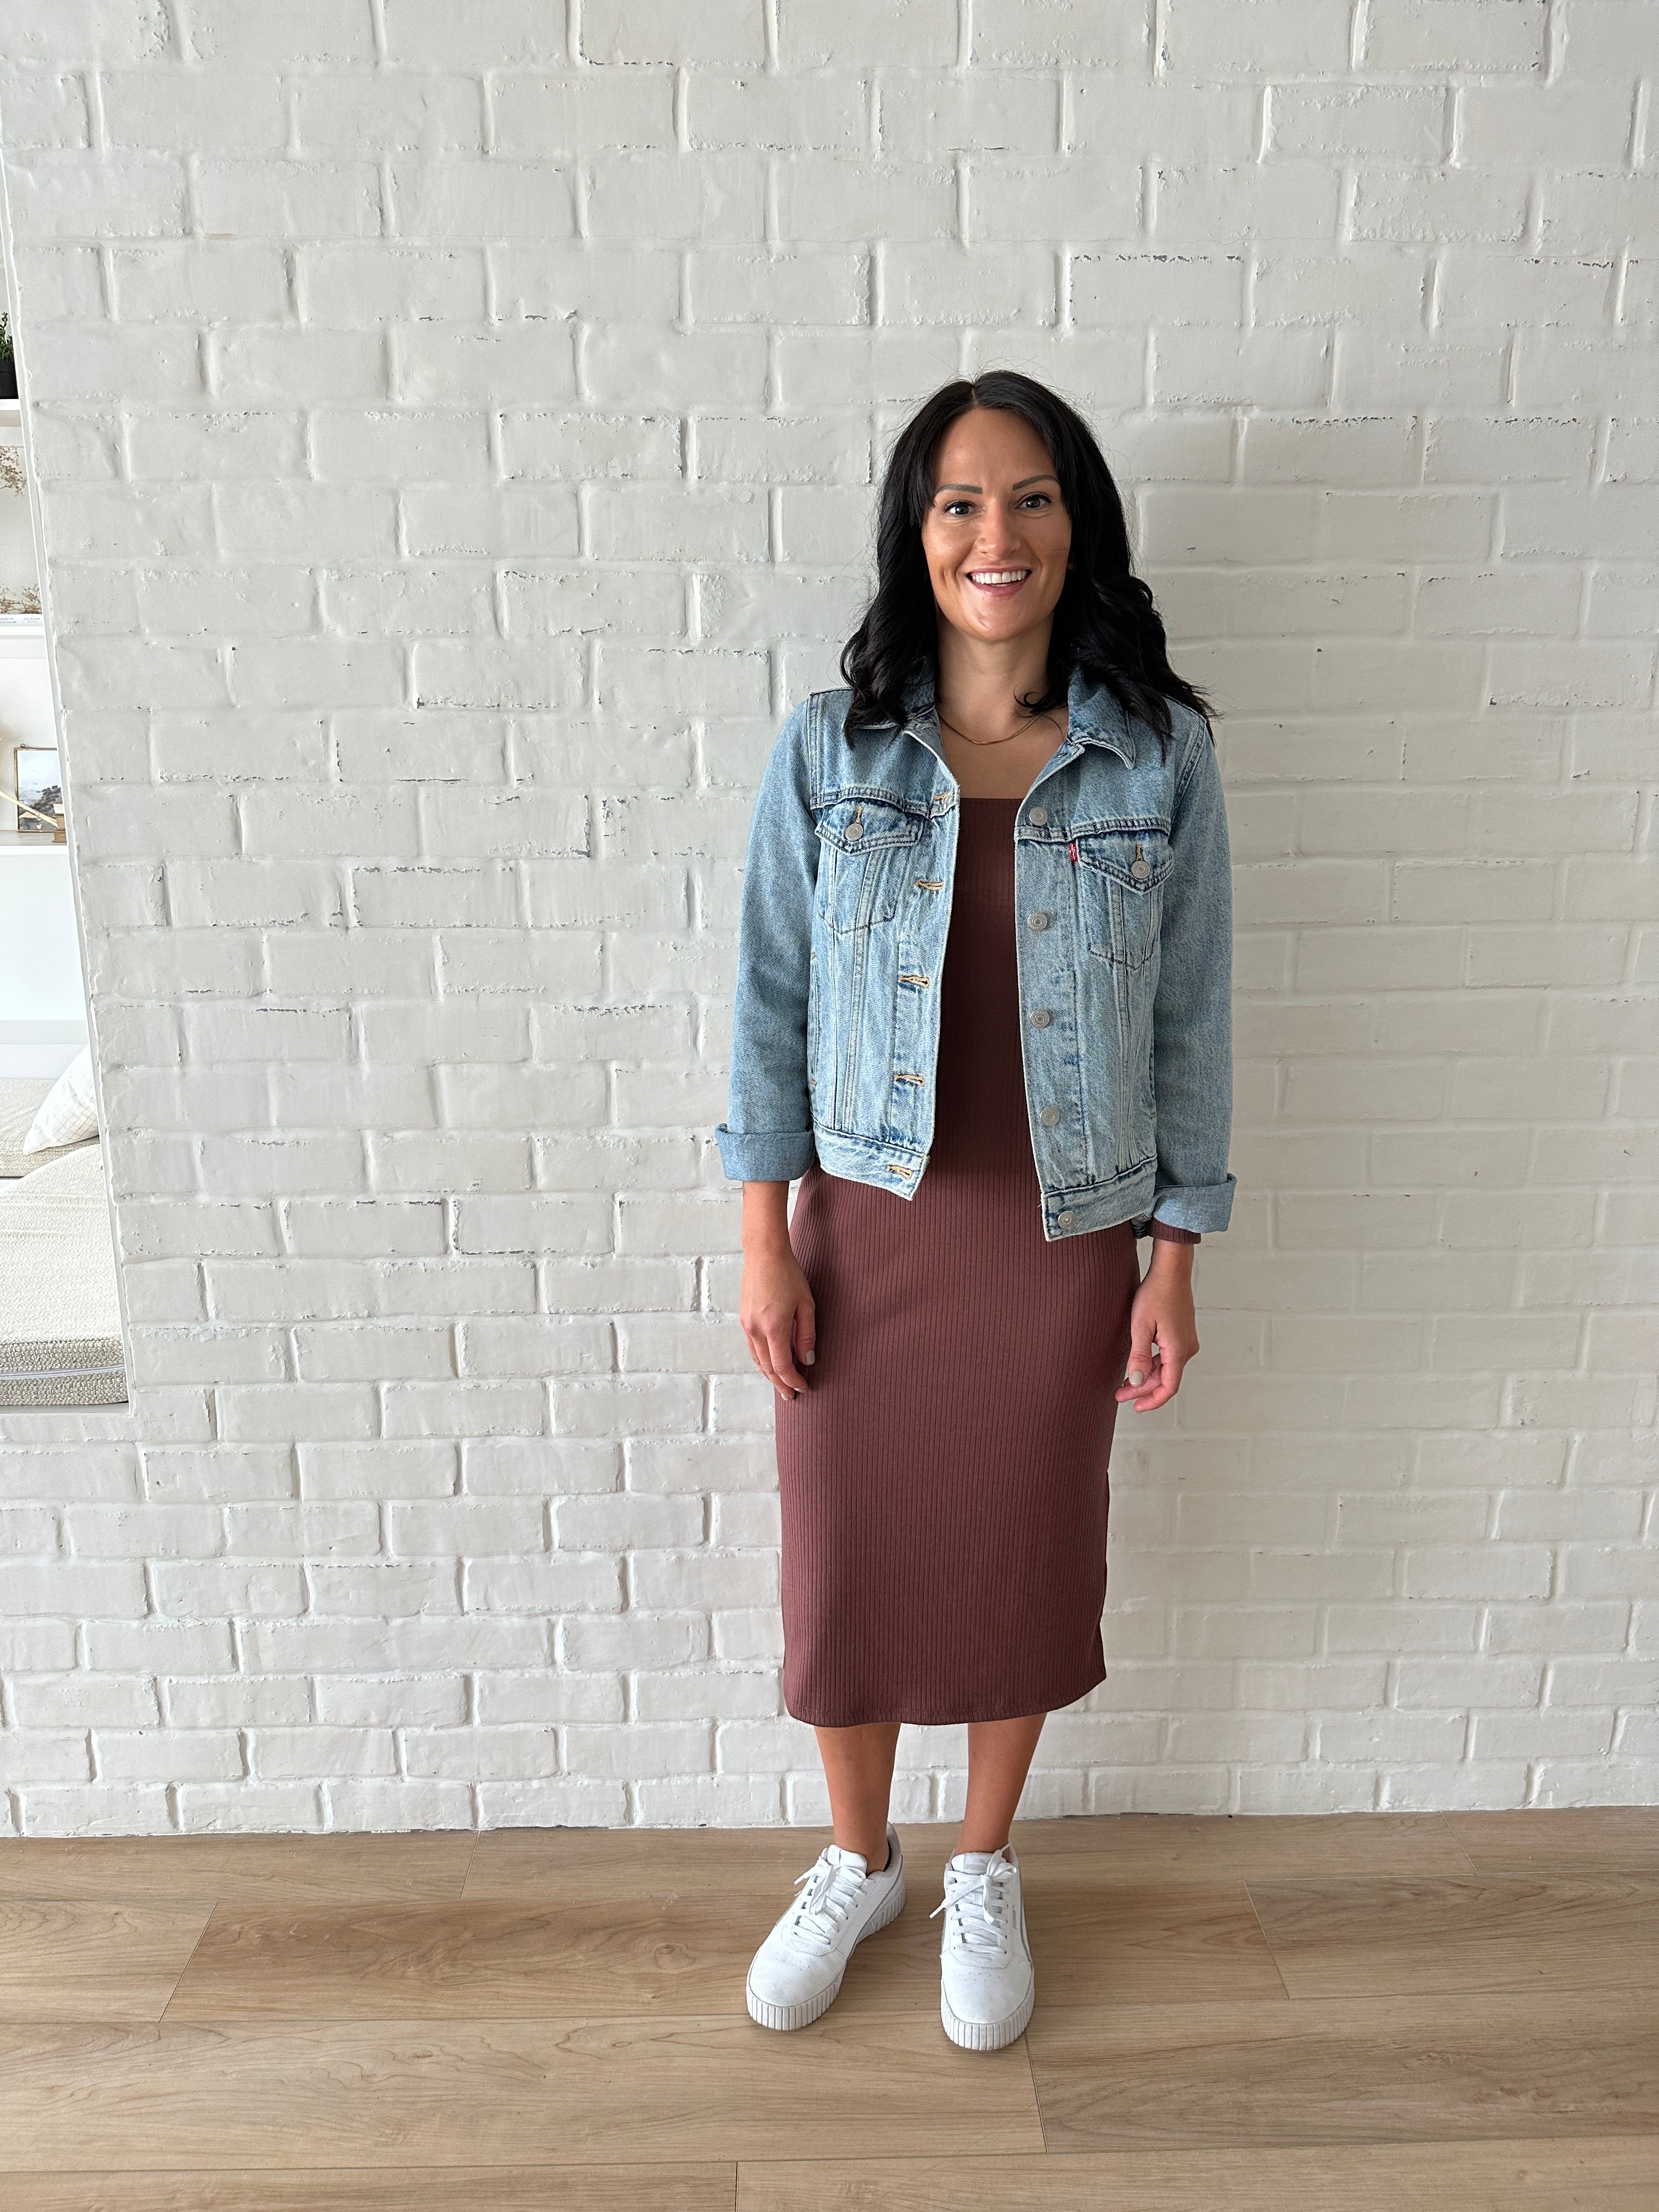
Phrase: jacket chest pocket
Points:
(1120, 879)
(867, 855)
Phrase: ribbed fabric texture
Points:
(943, 1477)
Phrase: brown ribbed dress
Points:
(943, 1475)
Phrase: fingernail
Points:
(807, 1357)
(1136, 1377)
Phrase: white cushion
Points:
(21, 1097)
(60, 1324)
(70, 1111)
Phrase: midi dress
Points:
(942, 1478)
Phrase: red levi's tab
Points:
(1070, 847)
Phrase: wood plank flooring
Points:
(1241, 2014)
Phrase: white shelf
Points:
(22, 638)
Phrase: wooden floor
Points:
(1352, 2012)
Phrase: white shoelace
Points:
(976, 1903)
(822, 1908)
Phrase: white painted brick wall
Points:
(455, 432)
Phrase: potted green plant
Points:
(8, 360)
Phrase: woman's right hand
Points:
(777, 1309)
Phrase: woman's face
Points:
(997, 536)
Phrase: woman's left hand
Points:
(1162, 1328)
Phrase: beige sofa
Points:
(60, 1316)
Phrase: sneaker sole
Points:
(785, 2017)
(988, 2034)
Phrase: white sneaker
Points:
(796, 1973)
(987, 1983)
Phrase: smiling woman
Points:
(982, 1011)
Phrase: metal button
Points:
(1065, 1219)
(1140, 866)
(1040, 1019)
(855, 830)
(1038, 921)
(1048, 1116)
(1038, 816)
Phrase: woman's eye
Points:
(955, 506)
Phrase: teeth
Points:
(998, 576)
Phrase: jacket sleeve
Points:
(767, 1136)
(1191, 1011)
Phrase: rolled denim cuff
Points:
(1207, 1206)
(765, 1155)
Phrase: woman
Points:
(982, 1011)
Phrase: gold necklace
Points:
(983, 743)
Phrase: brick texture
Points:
(455, 434)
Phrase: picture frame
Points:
(38, 792)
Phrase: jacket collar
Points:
(1093, 716)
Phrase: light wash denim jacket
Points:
(1123, 891)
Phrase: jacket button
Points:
(1065, 1219)
(1040, 1019)
(1048, 1116)
(1038, 921)
(1038, 816)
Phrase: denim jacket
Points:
(1123, 891)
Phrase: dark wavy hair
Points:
(1104, 621)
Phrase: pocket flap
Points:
(859, 825)
(1138, 858)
